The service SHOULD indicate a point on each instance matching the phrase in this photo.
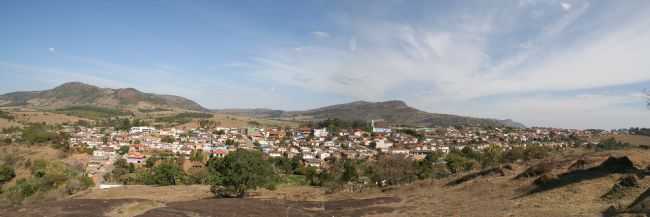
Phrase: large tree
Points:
(392, 169)
(241, 171)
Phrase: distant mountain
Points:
(394, 112)
(78, 94)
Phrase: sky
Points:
(568, 63)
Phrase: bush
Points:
(611, 144)
(6, 173)
(46, 178)
(536, 152)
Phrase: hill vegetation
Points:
(92, 112)
(394, 112)
(80, 94)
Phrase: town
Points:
(311, 145)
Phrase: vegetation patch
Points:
(619, 189)
(6, 115)
(183, 118)
(496, 171)
(49, 180)
(154, 110)
(92, 112)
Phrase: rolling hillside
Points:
(80, 94)
(394, 112)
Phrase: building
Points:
(135, 158)
(136, 130)
(320, 132)
(380, 126)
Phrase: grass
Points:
(633, 139)
(294, 180)
(92, 112)
(154, 110)
(183, 118)
(6, 115)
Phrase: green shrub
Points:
(48, 177)
(6, 173)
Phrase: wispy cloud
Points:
(457, 62)
(319, 34)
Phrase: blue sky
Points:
(567, 63)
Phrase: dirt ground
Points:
(160, 194)
(4, 123)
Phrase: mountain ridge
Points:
(78, 93)
(396, 112)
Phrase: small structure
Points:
(379, 126)
(135, 158)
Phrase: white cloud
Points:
(318, 34)
(352, 44)
(565, 6)
(52, 50)
(454, 64)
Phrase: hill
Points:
(79, 94)
(395, 112)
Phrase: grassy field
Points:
(634, 139)
(92, 112)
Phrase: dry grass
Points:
(44, 117)
(134, 208)
(232, 121)
(4, 123)
(634, 139)
(159, 194)
(484, 196)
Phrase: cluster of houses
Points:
(313, 146)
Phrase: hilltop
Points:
(395, 112)
(81, 94)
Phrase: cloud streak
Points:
(456, 63)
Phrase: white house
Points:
(320, 132)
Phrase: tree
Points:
(456, 162)
(197, 156)
(243, 170)
(392, 170)
(283, 165)
(536, 152)
(514, 154)
(167, 139)
(166, 173)
(120, 171)
(491, 156)
(372, 145)
(424, 168)
(311, 175)
(349, 171)
(123, 150)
